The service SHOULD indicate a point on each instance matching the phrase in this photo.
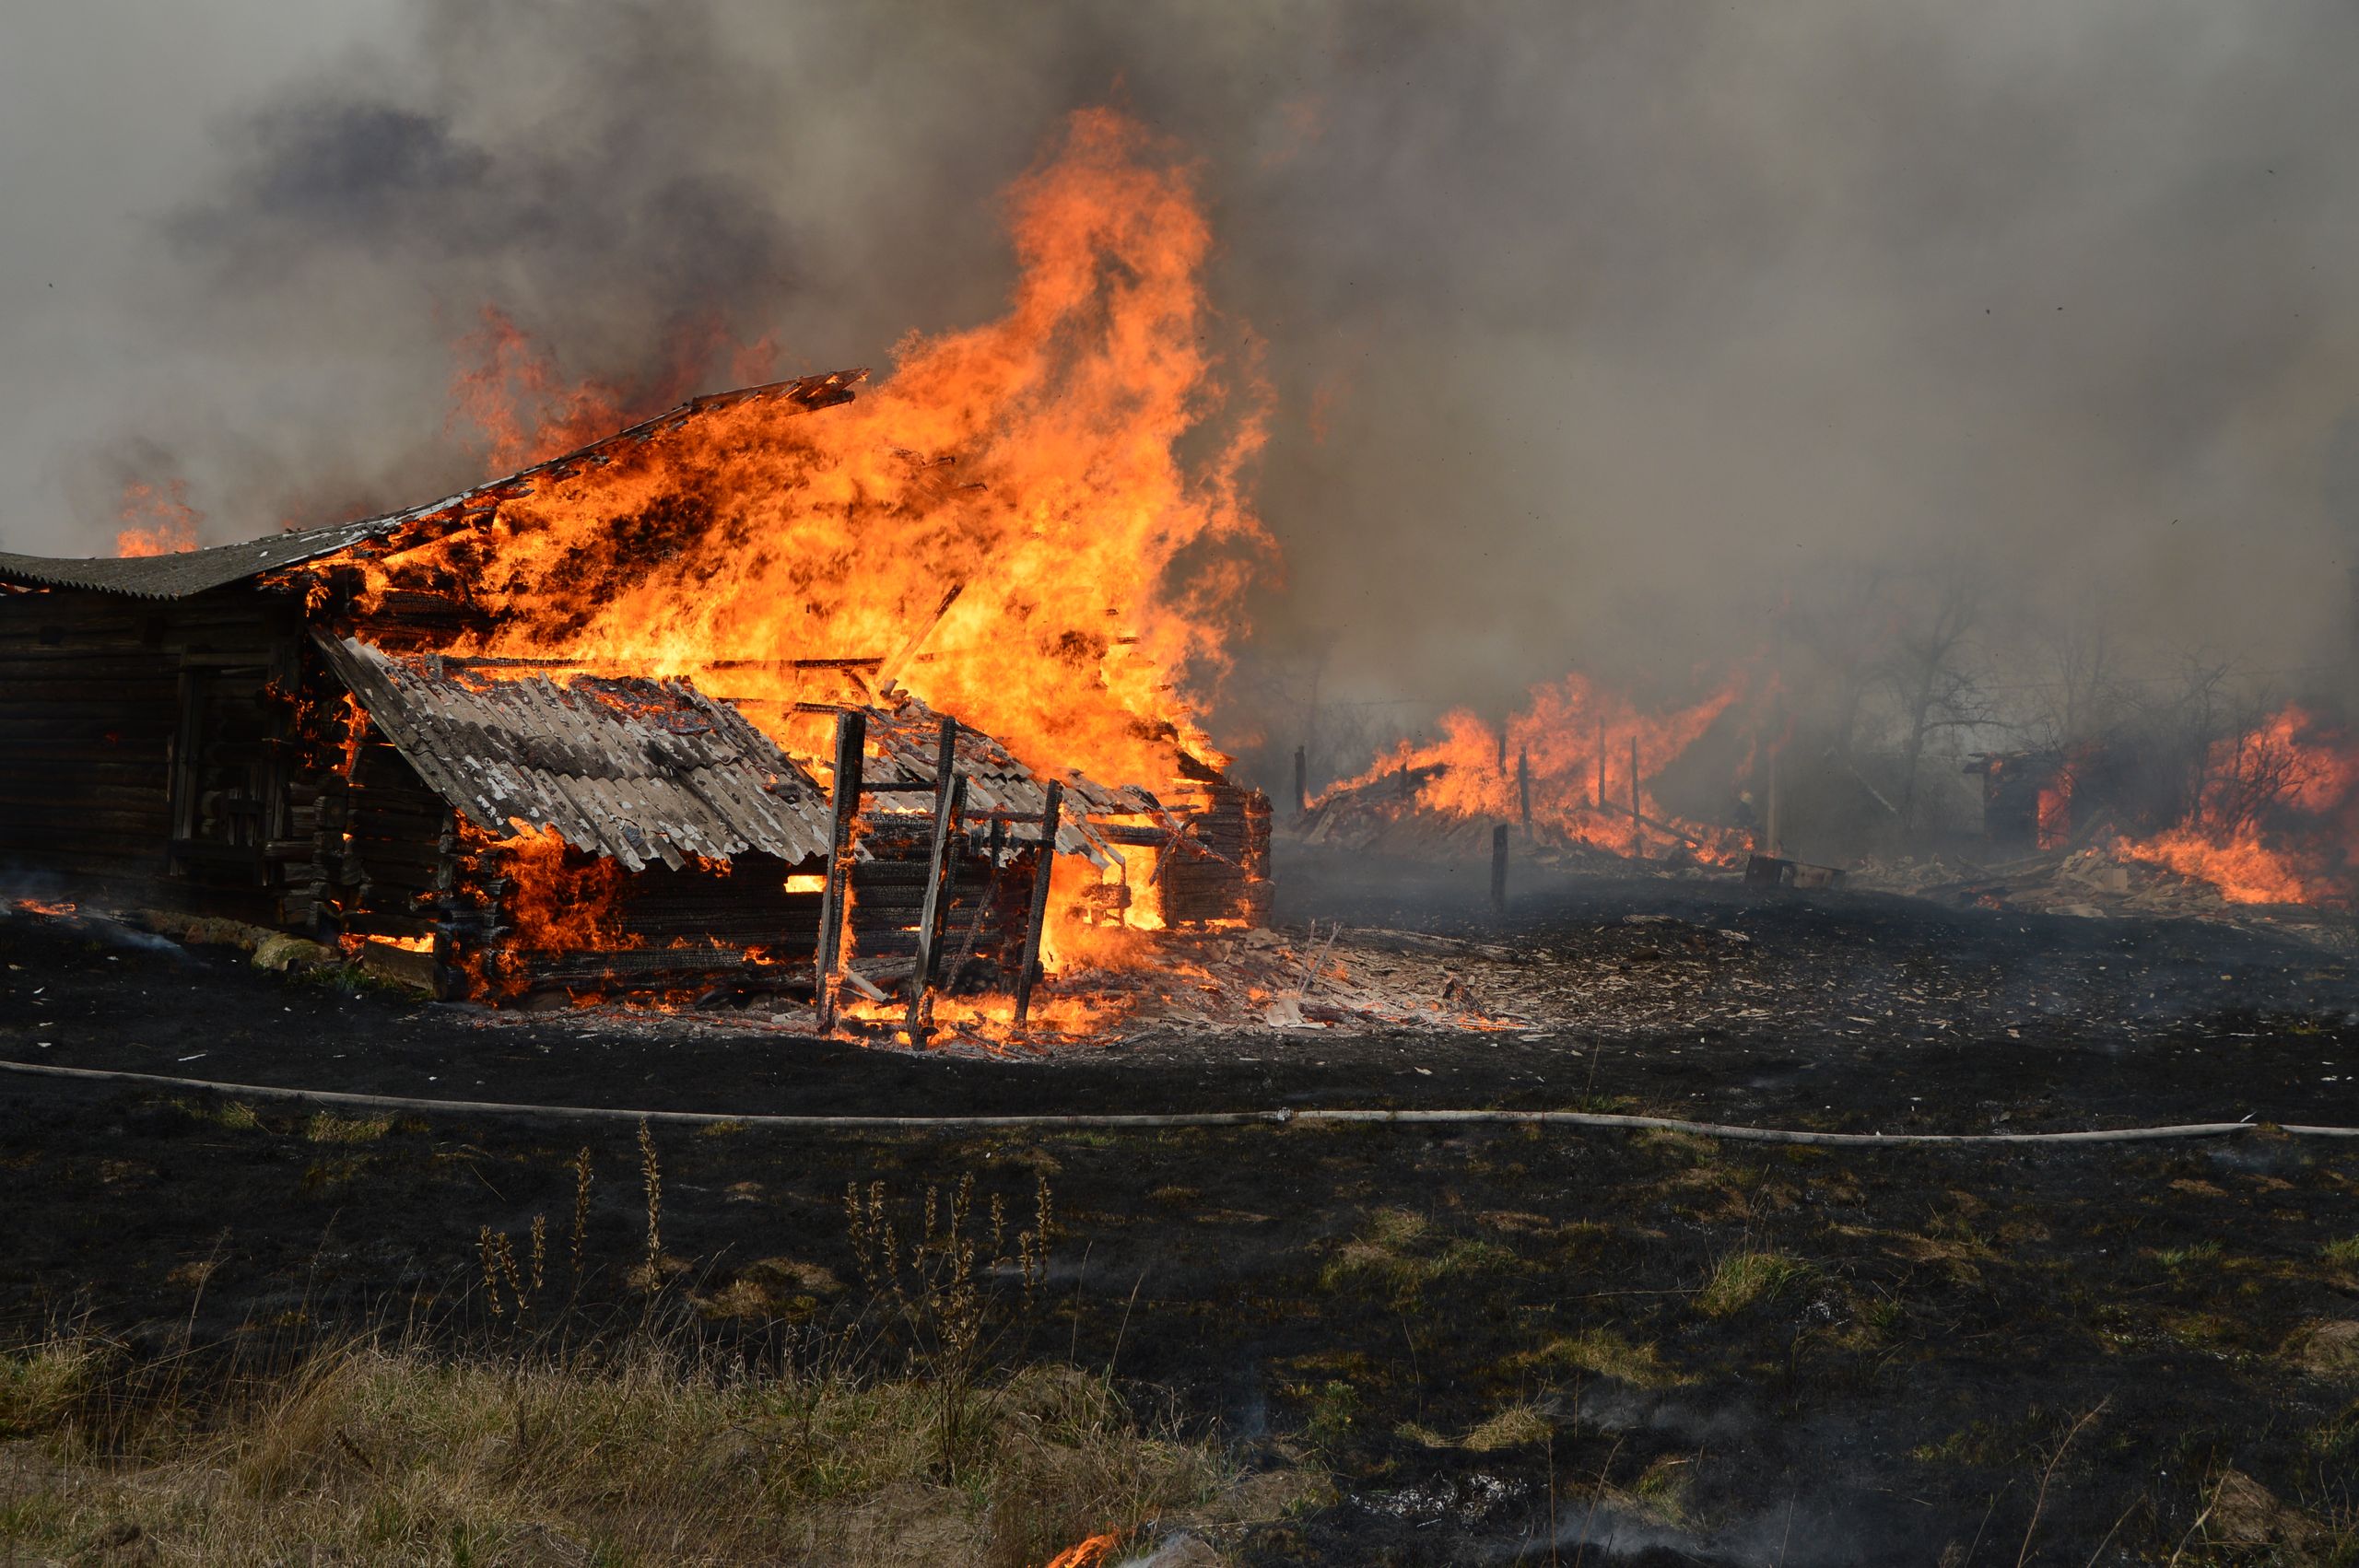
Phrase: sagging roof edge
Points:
(192, 572)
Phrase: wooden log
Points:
(1043, 866)
(949, 796)
(851, 737)
(891, 668)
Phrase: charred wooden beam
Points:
(891, 668)
(851, 737)
(949, 795)
(1041, 869)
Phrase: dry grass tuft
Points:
(324, 1127)
(400, 1455)
(1606, 1354)
(1743, 1278)
(1518, 1426)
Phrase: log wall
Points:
(107, 785)
(1220, 868)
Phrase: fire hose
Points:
(1283, 1117)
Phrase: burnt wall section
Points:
(144, 746)
(984, 914)
(1219, 869)
(563, 920)
(384, 869)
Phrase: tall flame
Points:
(1034, 464)
(2276, 816)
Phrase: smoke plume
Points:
(1602, 334)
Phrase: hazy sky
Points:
(1621, 320)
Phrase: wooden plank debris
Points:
(1043, 868)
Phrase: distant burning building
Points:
(308, 732)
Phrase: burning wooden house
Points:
(298, 733)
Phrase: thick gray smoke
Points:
(1599, 331)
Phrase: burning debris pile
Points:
(2092, 883)
(2255, 826)
(1576, 771)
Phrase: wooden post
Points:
(1601, 764)
(1500, 869)
(948, 798)
(1404, 780)
(851, 737)
(1040, 871)
(1523, 786)
(1638, 830)
(1301, 780)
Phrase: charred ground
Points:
(1682, 1349)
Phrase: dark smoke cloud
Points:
(1599, 330)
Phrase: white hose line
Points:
(1048, 1121)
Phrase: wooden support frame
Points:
(851, 741)
(949, 795)
(1500, 869)
(1041, 869)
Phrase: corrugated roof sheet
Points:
(639, 771)
(194, 571)
(909, 737)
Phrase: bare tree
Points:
(1930, 670)
(1845, 630)
(2083, 691)
(2195, 711)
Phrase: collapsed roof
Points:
(635, 769)
(642, 770)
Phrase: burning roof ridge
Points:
(179, 575)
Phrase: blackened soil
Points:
(1494, 1336)
(1865, 1013)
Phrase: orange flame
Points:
(509, 391)
(59, 911)
(553, 906)
(1577, 742)
(159, 521)
(1035, 460)
(1084, 1553)
(2274, 819)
